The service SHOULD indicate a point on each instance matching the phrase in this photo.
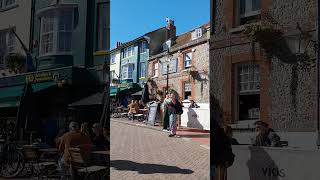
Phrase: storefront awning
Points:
(130, 88)
(10, 96)
(95, 99)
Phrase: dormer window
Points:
(197, 33)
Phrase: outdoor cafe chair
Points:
(80, 163)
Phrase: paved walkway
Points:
(202, 137)
(143, 153)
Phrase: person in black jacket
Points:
(222, 156)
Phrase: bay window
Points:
(56, 32)
(127, 71)
(7, 45)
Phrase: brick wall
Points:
(287, 92)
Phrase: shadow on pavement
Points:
(125, 165)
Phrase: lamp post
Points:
(168, 61)
(318, 75)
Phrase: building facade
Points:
(19, 13)
(262, 66)
(70, 41)
(187, 57)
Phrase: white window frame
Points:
(125, 71)
(55, 16)
(249, 11)
(186, 59)
(185, 89)
(9, 46)
(128, 52)
(155, 69)
(143, 47)
(113, 58)
(142, 64)
(248, 77)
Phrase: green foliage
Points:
(15, 62)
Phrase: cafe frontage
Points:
(49, 95)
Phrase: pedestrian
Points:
(165, 113)
(71, 139)
(85, 129)
(265, 135)
(171, 105)
(228, 131)
(98, 138)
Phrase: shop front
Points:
(49, 95)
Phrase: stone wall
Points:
(290, 86)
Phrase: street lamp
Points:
(168, 61)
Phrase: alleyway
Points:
(142, 153)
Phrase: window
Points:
(248, 92)
(6, 3)
(143, 47)
(127, 52)
(197, 33)
(142, 69)
(155, 70)
(187, 90)
(249, 78)
(56, 32)
(113, 58)
(102, 27)
(249, 11)
(112, 75)
(127, 71)
(187, 60)
(7, 45)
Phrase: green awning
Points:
(10, 96)
(12, 91)
(41, 86)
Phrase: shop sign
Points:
(40, 77)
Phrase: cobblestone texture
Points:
(142, 153)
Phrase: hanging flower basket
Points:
(15, 62)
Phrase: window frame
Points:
(142, 64)
(128, 52)
(98, 39)
(125, 70)
(184, 89)
(185, 60)
(143, 47)
(7, 48)
(113, 59)
(56, 17)
(253, 13)
(155, 69)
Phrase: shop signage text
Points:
(39, 77)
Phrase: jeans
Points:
(173, 123)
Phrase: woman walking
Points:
(171, 105)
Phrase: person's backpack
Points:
(178, 107)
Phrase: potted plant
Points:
(15, 62)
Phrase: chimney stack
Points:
(171, 29)
(118, 44)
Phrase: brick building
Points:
(271, 79)
(188, 59)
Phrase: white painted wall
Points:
(116, 67)
(196, 117)
(255, 163)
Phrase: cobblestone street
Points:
(142, 153)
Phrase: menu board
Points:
(152, 113)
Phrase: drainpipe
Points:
(318, 76)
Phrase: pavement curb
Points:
(157, 129)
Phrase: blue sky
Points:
(133, 18)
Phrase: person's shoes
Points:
(171, 135)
